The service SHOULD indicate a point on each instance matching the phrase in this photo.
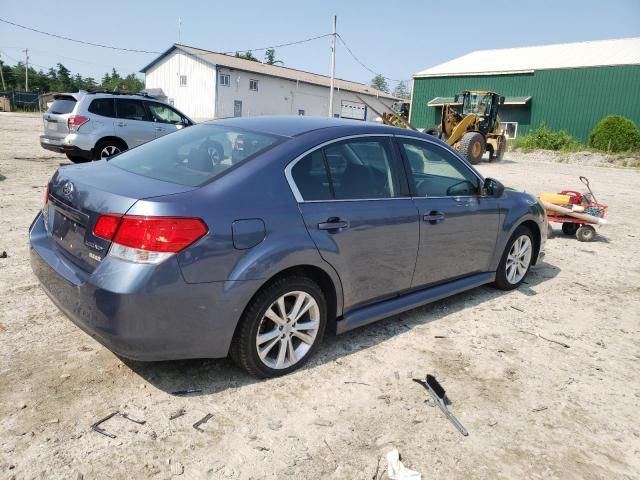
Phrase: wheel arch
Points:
(111, 138)
(333, 296)
(537, 237)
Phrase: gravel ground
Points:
(534, 408)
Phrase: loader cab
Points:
(483, 104)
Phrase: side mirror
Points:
(493, 187)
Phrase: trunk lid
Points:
(56, 117)
(79, 194)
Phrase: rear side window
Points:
(63, 105)
(131, 110)
(103, 107)
(310, 176)
(164, 114)
(194, 156)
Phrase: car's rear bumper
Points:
(141, 312)
(56, 145)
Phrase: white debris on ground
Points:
(533, 408)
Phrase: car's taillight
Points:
(148, 239)
(75, 122)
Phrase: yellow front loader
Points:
(475, 128)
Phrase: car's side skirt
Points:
(377, 311)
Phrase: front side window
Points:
(103, 106)
(194, 156)
(355, 169)
(131, 110)
(253, 85)
(163, 114)
(438, 173)
(225, 80)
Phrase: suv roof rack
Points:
(92, 92)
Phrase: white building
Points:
(206, 85)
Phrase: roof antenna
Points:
(179, 29)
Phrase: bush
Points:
(546, 139)
(615, 134)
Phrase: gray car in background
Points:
(94, 125)
(254, 236)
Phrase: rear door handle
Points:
(333, 223)
(434, 217)
(159, 129)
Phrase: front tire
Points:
(472, 147)
(281, 327)
(516, 260)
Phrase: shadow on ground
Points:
(209, 376)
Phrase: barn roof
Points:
(229, 61)
(624, 51)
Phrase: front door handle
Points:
(333, 223)
(122, 124)
(434, 217)
(159, 129)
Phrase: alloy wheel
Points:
(288, 330)
(108, 151)
(518, 259)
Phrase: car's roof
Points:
(294, 125)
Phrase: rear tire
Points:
(570, 229)
(472, 147)
(262, 337)
(76, 158)
(516, 260)
(108, 148)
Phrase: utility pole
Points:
(26, 70)
(179, 29)
(4, 87)
(333, 65)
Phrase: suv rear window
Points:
(103, 107)
(195, 155)
(62, 105)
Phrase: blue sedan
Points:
(253, 237)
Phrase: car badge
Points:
(67, 189)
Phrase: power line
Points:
(362, 64)
(281, 45)
(76, 41)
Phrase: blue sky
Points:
(396, 39)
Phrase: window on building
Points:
(301, 113)
(225, 80)
(253, 85)
(510, 129)
(183, 80)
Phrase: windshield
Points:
(195, 155)
(477, 103)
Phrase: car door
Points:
(458, 225)
(353, 196)
(133, 123)
(166, 119)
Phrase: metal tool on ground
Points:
(578, 213)
(203, 420)
(439, 395)
(96, 426)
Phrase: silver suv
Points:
(93, 125)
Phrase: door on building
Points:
(237, 108)
(458, 224)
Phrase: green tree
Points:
(65, 83)
(401, 90)
(247, 56)
(380, 83)
(270, 57)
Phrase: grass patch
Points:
(543, 138)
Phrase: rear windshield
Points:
(62, 105)
(195, 155)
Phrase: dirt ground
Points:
(533, 407)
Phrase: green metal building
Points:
(567, 86)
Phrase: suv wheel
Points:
(281, 327)
(107, 148)
(76, 158)
(516, 260)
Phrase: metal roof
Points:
(229, 61)
(624, 51)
